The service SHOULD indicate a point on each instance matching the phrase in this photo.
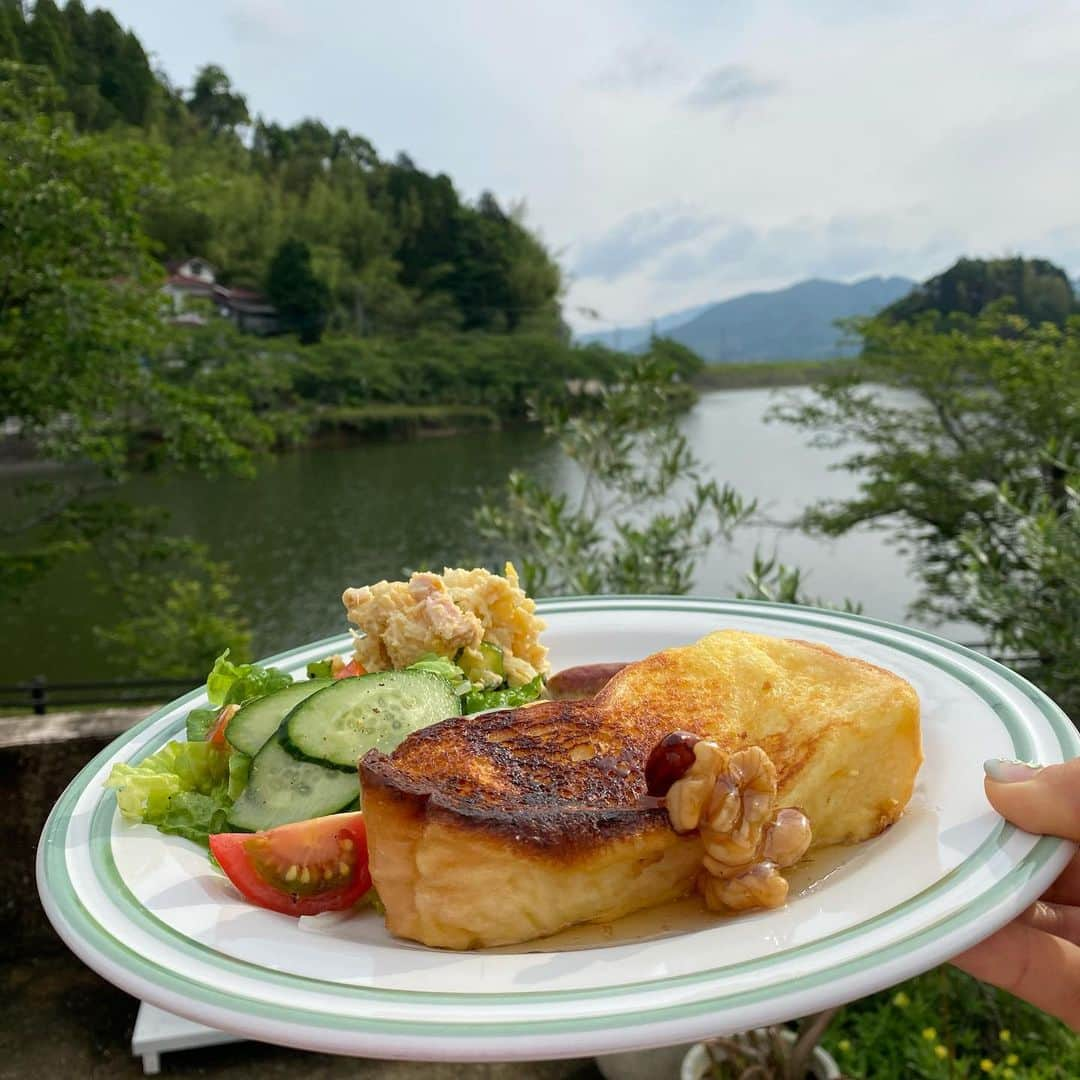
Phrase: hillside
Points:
(793, 323)
(335, 235)
(1035, 289)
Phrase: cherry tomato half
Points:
(300, 869)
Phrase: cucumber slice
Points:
(249, 729)
(282, 789)
(340, 724)
(493, 657)
(485, 660)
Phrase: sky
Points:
(674, 152)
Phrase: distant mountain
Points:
(795, 323)
(636, 338)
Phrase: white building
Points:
(196, 279)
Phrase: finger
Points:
(1039, 800)
(1061, 920)
(1035, 966)
(1066, 890)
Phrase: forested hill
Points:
(380, 246)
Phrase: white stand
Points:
(157, 1031)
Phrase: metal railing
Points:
(40, 693)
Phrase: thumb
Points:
(1039, 799)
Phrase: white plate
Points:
(149, 914)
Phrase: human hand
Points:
(1037, 956)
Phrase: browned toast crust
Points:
(515, 775)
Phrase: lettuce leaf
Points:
(232, 684)
(199, 722)
(321, 669)
(444, 667)
(186, 788)
(508, 698)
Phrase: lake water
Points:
(316, 521)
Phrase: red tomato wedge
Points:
(347, 671)
(299, 869)
(217, 732)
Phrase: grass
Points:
(946, 1025)
(767, 373)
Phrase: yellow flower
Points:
(929, 1033)
(1012, 1059)
(1004, 1034)
(844, 1046)
(1008, 1074)
(941, 1051)
(986, 1065)
(901, 1000)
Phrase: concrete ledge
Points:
(31, 730)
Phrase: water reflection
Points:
(315, 521)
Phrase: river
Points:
(315, 521)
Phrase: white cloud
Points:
(903, 135)
(730, 86)
(643, 66)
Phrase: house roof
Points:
(172, 265)
(185, 281)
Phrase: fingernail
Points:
(1009, 772)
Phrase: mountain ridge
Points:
(793, 323)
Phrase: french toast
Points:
(508, 826)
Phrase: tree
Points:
(645, 512)
(302, 299)
(214, 103)
(1039, 290)
(46, 40)
(80, 342)
(12, 27)
(975, 467)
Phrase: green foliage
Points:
(171, 607)
(398, 248)
(945, 1024)
(769, 579)
(302, 300)
(11, 29)
(645, 512)
(967, 445)
(80, 319)
(213, 102)
(682, 360)
(102, 69)
(81, 344)
(1040, 291)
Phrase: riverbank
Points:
(343, 425)
(763, 374)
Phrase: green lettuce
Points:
(186, 788)
(507, 698)
(321, 669)
(444, 667)
(233, 684)
(199, 722)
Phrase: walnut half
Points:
(730, 799)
